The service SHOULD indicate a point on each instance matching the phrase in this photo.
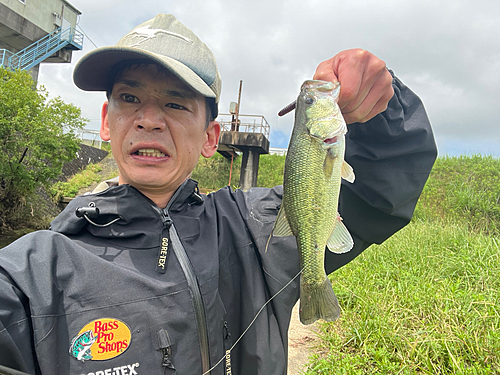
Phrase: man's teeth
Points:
(150, 152)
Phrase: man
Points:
(149, 277)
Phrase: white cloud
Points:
(446, 51)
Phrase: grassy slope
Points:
(213, 173)
(426, 301)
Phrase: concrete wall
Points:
(22, 23)
(85, 156)
(40, 12)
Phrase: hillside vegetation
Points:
(426, 301)
(464, 191)
(213, 174)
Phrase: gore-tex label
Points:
(122, 370)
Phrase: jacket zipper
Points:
(192, 282)
(166, 349)
(165, 246)
(193, 286)
(227, 351)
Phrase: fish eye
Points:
(309, 100)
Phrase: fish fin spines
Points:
(347, 173)
(281, 225)
(340, 240)
(318, 302)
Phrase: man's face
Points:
(157, 128)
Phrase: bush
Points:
(37, 137)
(80, 180)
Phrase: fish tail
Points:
(318, 301)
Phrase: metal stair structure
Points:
(42, 49)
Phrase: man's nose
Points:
(150, 118)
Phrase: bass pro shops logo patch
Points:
(101, 339)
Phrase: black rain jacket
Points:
(144, 290)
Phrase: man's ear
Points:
(104, 123)
(212, 139)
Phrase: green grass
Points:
(80, 180)
(213, 173)
(271, 169)
(426, 301)
(104, 145)
(463, 190)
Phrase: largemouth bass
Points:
(314, 167)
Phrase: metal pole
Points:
(238, 109)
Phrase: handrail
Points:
(246, 123)
(5, 55)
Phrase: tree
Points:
(37, 136)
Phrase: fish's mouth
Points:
(317, 85)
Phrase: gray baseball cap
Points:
(166, 42)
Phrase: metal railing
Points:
(277, 151)
(246, 123)
(5, 55)
(35, 53)
(91, 137)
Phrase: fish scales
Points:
(314, 167)
(313, 189)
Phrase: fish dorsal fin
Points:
(347, 173)
(340, 240)
(281, 226)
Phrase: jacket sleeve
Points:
(392, 156)
(16, 350)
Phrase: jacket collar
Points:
(123, 213)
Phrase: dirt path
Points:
(301, 340)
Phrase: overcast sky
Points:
(447, 51)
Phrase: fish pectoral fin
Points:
(281, 225)
(340, 240)
(347, 173)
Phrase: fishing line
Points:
(253, 320)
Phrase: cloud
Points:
(447, 52)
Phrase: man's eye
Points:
(130, 98)
(174, 106)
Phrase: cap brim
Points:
(92, 71)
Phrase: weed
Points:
(80, 180)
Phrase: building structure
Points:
(248, 135)
(34, 31)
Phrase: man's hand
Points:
(365, 83)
